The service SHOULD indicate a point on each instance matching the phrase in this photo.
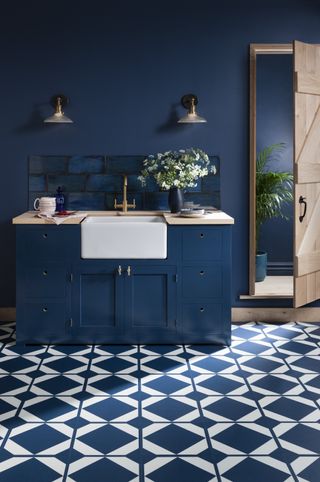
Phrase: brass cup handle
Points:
(129, 270)
(119, 270)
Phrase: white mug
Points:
(45, 205)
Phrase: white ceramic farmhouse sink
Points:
(124, 237)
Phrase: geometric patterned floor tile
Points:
(39, 439)
(69, 350)
(165, 409)
(11, 349)
(64, 364)
(253, 347)
(41, 469)
(253, 469)
(19, 364)
(166, 385)
(287, 331)
(100, 385)
(247, 331)
(174, 439)
(304, 364)
(165, 350)
(107, 409)
(300, 438)
(106, 439)
(172, 364)
(242, 439)
(297, 347)
(262, 364)
(227, 409)
(49, 409)
(196, 413)
(287, 409)
(274, 384)
(307, 468)
(114, 364)
(224, 384)
(103, 469)
(14, 384)
(67, 384)
(311, 382)
(186, 469)
(212, 364)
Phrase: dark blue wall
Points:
(125, 66)
(274, 125)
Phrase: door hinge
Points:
(176, 278)
(71, 277)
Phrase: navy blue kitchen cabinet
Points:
(62, 298)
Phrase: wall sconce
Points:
(189, 102)
(58, 102)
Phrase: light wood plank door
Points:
(306, 173)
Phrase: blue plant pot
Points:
(261, 265)
(175, 199)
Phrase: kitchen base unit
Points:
(62, 298)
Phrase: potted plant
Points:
(175, 171)
(274, 189)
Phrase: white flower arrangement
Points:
(180, 169)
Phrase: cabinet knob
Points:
(201, 235)
(202, 309)
(45, 272)
(45, 235)
(201, 272)
(44, 310)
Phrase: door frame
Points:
(256, 49)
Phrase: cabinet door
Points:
(150, 315)
(96, 304)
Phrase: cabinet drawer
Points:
(42, 322)
(202, 244)
(202, 281)
(52, 242)
(46, 280)
(202, 318)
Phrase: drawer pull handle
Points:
(45, 272)
(45, 235)
(44, 310)
(201, 235)
(202, 310)
(201, 273)
(129, 271)
(119, 270)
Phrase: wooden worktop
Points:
(217, 217)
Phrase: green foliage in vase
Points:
(179, 169)
(274, 189)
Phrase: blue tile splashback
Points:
(92, 182)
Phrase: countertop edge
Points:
(216, 218)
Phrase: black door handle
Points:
(302, 200)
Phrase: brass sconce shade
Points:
(58, 102)
(189, 102)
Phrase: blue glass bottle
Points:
(59, 200)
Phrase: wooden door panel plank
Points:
(307, 172)
(312, 231)
(307, 83)
(310, 152)
(308, 263)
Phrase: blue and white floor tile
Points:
(163, 413)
